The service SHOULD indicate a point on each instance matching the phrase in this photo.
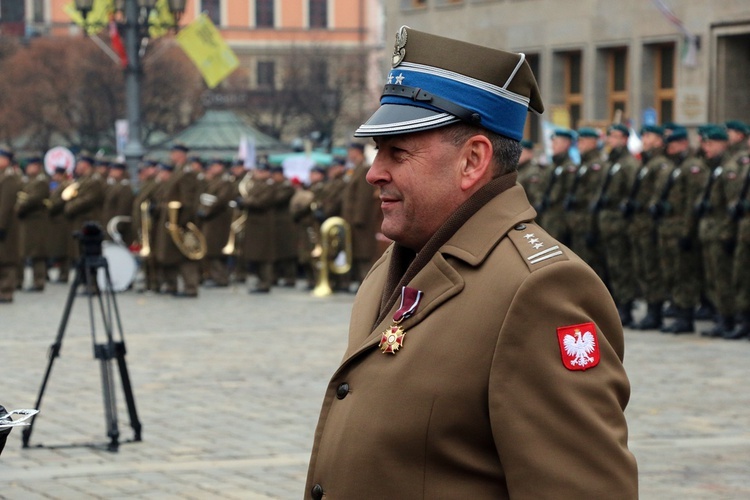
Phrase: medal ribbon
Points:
(410, 298)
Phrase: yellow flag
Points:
(96, 20)
(203, 44)
(160, 19)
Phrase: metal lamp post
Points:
(136, 14)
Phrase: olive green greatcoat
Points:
(477, 402)
(285, 230)
(182, 186)
(331, 196)
(86, 206)
(360, 207)
(10, 185)
(259, 244)
(118, 201)
(216, 218)
(60, 240)
(32, 212)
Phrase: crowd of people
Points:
(670, 226)
(190, 222)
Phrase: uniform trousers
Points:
(741, 267)
(618, 255)
(717, 265)
(681, 283)
(7, 281)
(190, 272)
(646, 264)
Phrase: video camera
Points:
(90, 239)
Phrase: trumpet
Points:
(189, 241)
(145, 230)
(235, 228)
(70, 192)
(335, 238)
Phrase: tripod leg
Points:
(103, 353)
(54, 352)
(127, 390)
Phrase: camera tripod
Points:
(87, 267)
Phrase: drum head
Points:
(122, 267)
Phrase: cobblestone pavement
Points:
(228, 389)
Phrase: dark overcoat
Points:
(32, 212)
(10, 184)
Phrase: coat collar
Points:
(440, 281)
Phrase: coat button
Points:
(520, 227)
(342, 390)
(317, 492)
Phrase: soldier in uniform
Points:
(642, 227)
(146, 189)
(359, 207)
(329, 205)
(583, 190)
(259, 243)
(118, 200)
(31, 210)
(286, 236)
(530, 174)
(216, 216)
(671, 207)
(717, 230)
(304, 206)
(613, 227)
(456, 382)
(237, 263)
(180, 184)
(559, 179)
(60, 240)
(10, 185)
(87, 199)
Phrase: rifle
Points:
(660, 208)
(570, 198)
(628, 207)
(704, 205)
(599, 203)
(737, 210)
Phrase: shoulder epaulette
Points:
(536, 246)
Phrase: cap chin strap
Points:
(419, 95)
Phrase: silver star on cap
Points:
(399, 78)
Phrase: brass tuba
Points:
(189, 240)
(335, 238)
(239, 217)
(70, 192)
(145, 230)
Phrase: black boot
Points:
(705, 310)
(683, 322)
(626, 315)
(742, 329)
(652, 319)
(670, 311)
(722, 325)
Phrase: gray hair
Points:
(505, 151)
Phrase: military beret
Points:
(715, 133)
(339, 160)
(319, 168)
(527, 144)
(703, 129)
(588, 132)
(620, 128)
(565, 133)
(180, 147)
(197, 159)
(277, 169)
(436, 81)
(738, 126)
(679, 133)
(652, 129)
(33, 159)
(118, 165)
(263, 165)
(165, 166)
(357, 145)
(60, 170)
(86, 158)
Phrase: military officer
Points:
(85, 199)
(456, 382)
(31, 210)
(717, 231)
(60, 241)
(614, 192)
(531, 174)
(642, 226)
(304, 206)
(582, 224)
(359, 207)
(118, 200)
(559, 179)
(10, 186)
(215, 216)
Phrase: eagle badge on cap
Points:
(399, 50)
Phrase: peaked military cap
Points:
(620, 128)
(436, 81)
(738, 126)
(588, 132)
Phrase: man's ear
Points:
(477, 164)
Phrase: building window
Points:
(665, 75)
(318, 13)
(266, 74)
(264, 13)
(38, 13)
(617, 68)
(212, 8)
(573, 87)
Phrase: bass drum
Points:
(122, 267)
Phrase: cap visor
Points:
(392, 119)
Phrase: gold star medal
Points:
(392, 338)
